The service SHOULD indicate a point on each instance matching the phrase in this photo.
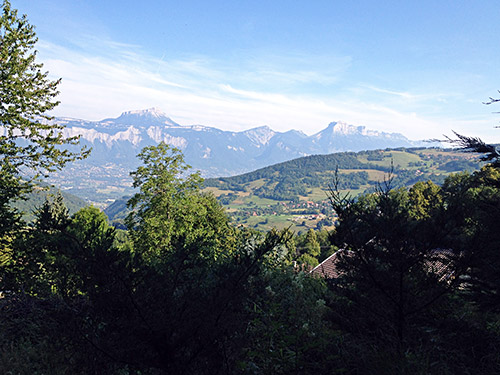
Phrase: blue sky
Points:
(421, 68)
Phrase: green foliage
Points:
(325, 242)
(307, 261)
(182, 306)
(170, 208)
(35, 338)
(36, 198)
(27, 144)
(30, 145)
(389, 246)
(89, 226)
(308, 249)
(475, 200)
(58, 255)
(53, 214)
(59, 270)
(424, 198)
(240, 310)
(312, 246)
(288, 334)
(411, 261)
(187, 293)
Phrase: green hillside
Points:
(36, 198)
(294, 193)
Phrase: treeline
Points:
(38, 196)
(182, 291)
(306, 167)
(291, 179)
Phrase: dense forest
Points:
(182, 291)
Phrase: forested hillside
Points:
(35, 199)
(295, 193)
(357, 171)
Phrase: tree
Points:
(424, 198)
(289, 334)
(411, 261)
(481, 213)
(34, 262)
(30, 144)
(309, 249)
(59, 269)
(178, 302)
(170, 207)
(475, 199)
(395, 277)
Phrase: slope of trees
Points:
(288, 180)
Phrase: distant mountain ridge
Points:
(217, 152)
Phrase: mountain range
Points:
(215, 152)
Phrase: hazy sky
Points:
(421, 68)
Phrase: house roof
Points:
(438, 261)
(328, 268)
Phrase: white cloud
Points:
(405, 95)
(217, 93)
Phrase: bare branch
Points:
(492, 100)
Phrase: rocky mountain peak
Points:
(217, 152)
(261, 134)
(145, 117)
(336, 128)
(344, 128)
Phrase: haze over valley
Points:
(115, 142)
